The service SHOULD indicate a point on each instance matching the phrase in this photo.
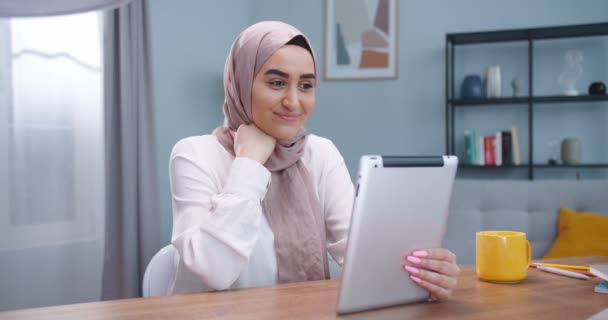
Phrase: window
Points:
(51, 131)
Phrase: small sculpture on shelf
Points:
(554, 152)
(571, 71)
(571, 151)
(597, 87)
(516, 85)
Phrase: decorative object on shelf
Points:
(472, 87)
(553, 152)
(361, 39)
(516, 85)
(571, 151)
(493, 83)
(571, 71)
(597, 87)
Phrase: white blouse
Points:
(219, 228)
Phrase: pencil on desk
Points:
(587, 273)
(566, 266)
(562, 272)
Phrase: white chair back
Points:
(159, 272)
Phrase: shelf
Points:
(527, 100)
(520, 105)
(581, 98)
(510, 166)
(489, 101)
(525, 166)
(583, 30)
(585, 165)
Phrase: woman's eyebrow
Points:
(286, 75)
(278, 73)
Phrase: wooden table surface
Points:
(541, 296)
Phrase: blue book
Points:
(602, 287)
(469, 145)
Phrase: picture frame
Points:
(361, 39)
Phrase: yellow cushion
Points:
(580, 234)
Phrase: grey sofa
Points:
(521, 205)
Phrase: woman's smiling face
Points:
(283, 93)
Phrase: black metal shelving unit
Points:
(528, 35)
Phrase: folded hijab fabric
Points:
(291, 205)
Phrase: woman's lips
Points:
(287, 117)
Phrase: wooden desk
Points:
(541, 296)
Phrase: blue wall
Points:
(190, 41)
(404, 116)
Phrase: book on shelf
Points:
(515, 146)
(479, 148)
(507, 154)
(498, 149)
(489, 156)
(501, 148)
(469, 145)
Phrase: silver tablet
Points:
(401, 205)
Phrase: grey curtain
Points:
(133, 210)
(30, 8)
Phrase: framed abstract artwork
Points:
(361, 39)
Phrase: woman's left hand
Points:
(434, 270)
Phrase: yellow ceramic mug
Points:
(502, 256)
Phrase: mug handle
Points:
(529, 252)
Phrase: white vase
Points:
(493, 81)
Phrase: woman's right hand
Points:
(253, 143)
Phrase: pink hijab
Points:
(291, 205)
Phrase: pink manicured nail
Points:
(412, 270)
(413, 260)
(420, 253)
(415, 279)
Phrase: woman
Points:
(261, 201)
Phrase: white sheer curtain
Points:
(30, 8)
(51, 160)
